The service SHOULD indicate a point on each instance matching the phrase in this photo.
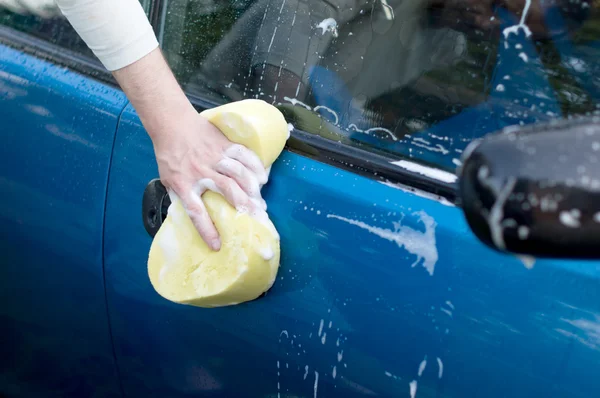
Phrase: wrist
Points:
(163, 118)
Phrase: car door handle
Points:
(155, 204)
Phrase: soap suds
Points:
(259, 177)
(382, 130)
(421, 244)
(437, 148)
(496, 217)
(321, 327)
(430, 172)
(528, 261)
(169, 245)
(515, 28)
(316, 386)
(325, 108)
(524, 57)
(422, 366)
(295, 102)
(305, 372)
(570, 218)
(440, 368)
(413, 388)
(334, 372)
(523, 232)
(267, 253)
(328, 25)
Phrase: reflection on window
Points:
(419, 78)
(42, 19)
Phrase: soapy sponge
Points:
(182, 268)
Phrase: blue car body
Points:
(383, 290)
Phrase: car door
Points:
(58, 123)
(383, 290)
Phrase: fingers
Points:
(238, 172)
(248, 159)
(196, 210)
(191, 198)
(232, 192)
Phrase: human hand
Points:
(195, 157)
(192, 154)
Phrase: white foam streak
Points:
(421, 244)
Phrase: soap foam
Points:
(328, 25)
(267, 253)
(258, 207)
(421, 244)
(413, 388)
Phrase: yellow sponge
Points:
(182, 268)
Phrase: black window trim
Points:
(56, 54)
(369, 164)
(359, 161)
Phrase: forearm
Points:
(120, 35)
(150, 86)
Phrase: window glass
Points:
(43, 19)
(419, 78)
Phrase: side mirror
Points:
(535, 190)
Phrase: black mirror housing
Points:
(535, 190)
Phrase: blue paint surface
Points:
(57, 135)
(498, 328)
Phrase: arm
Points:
(191, 153)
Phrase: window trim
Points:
(365, 163)
(56, 54)
(368, 164)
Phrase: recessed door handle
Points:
(155, 204)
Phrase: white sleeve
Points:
(117, 31)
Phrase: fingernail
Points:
(216, 244)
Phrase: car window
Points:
(416, 78)
(43, 20)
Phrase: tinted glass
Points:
(419, 78)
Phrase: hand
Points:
(197, 157)
(192, 154)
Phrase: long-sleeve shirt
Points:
(117, 31)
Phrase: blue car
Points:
(386, 288)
